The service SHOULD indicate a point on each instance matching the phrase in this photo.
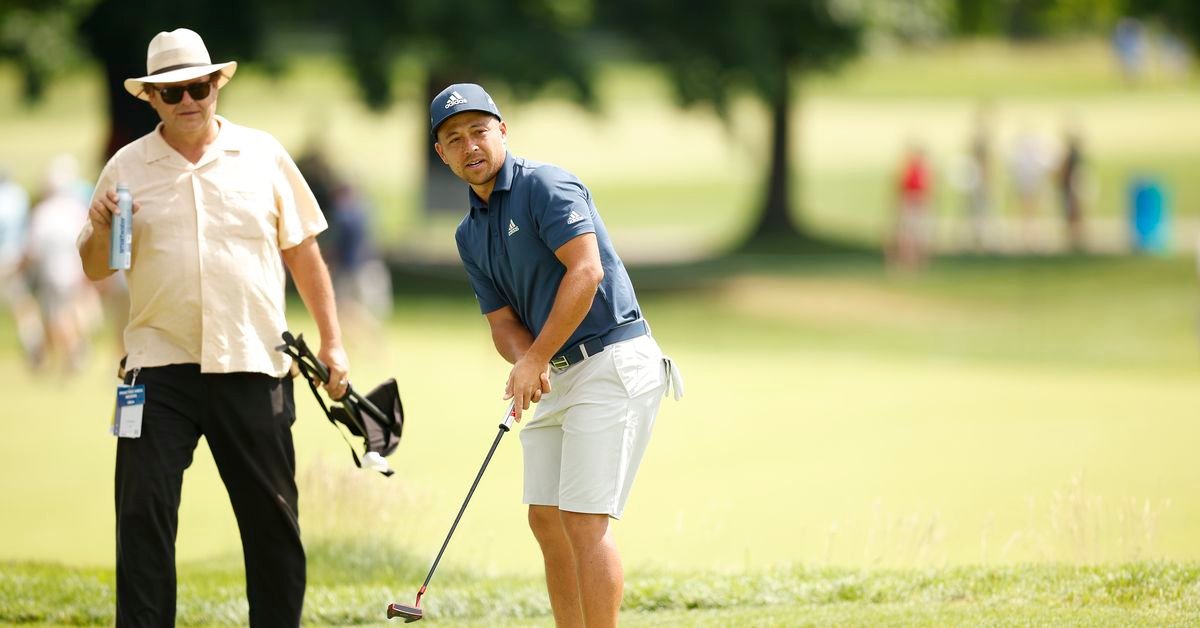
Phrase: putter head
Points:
(409, 613)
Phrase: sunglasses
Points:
(173, 94)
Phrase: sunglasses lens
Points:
(199, 91)
(171, 95)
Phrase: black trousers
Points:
(247, 419)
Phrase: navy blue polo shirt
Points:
(507, 246)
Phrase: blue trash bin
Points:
(1149, 216)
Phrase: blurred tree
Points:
(888, 22)
(715, 49)
(525, 46)
(1181, 17)
(977, 17)
(39, 37)
(117, 32)
(1030, 19)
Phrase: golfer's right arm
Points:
(513, 340)
(509, 334)
(93, 250)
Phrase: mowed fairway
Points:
(995, 412)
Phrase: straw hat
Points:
(177, 56)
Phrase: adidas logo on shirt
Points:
(512, 227)
(455, 99)
(573, 217)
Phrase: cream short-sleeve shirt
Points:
(206, 284)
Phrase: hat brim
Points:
(137, 86)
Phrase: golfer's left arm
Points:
(581, 257)
(316, 290)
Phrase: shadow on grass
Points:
(805, 256)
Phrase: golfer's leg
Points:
(605, 434)
(561, 574)
(149, 476)
(249, 433)
(541, 442)
(598, 567)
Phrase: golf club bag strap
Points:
(309, 375)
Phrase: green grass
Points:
(855, 447)
(352, 586)
(992, 411)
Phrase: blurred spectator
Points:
(974, 181)
(1028, 170)
(113, 305)
(14, 289)
(360, 278)
(315, 168)
(1129, 45)
(114, 299)
(1176, 55)
(909, 249)
(68, 304)
(1070, 190)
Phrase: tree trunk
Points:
(775, 219)
(129, 118)
(120, 45)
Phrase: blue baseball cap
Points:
(456, 99)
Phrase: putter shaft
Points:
(414, 613)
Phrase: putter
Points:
(414, 612)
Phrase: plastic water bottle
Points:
(120, 251)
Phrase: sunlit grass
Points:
(1134, 594)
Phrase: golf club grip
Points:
(509, 416)
(303, 350)
(323, 374)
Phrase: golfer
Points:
(563, 311)
(216, 206)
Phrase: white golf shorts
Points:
(587, 437)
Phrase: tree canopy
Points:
(718, 48)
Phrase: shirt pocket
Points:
(639, 365)
(246, 212)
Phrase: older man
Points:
(216, 205)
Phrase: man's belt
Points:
(582, 351)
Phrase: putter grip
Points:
(509, 416)
(322, 370)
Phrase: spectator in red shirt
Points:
(909, 248)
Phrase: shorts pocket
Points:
(639, 365)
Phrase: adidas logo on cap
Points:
(455, 99)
